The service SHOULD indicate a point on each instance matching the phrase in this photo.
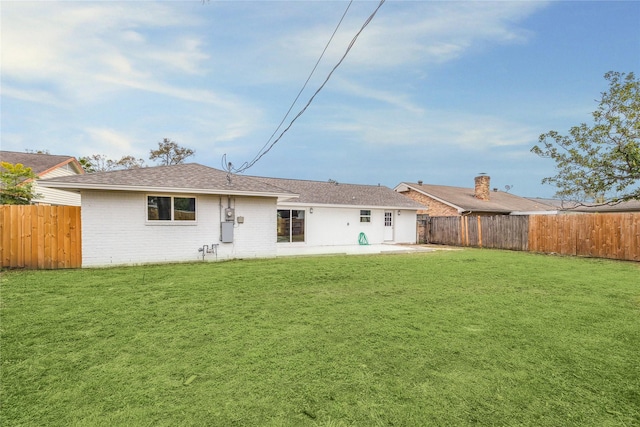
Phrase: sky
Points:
(438, 91)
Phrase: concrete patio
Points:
(302, 250)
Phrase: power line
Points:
(308, 78)
(229, 166)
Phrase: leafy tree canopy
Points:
(600, 163)
(170, 153)
(16, 184)
(101, 163)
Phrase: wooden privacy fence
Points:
(498, 232)
(610, 235)
(40, 237)
(602, 235)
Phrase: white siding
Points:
(52, 196)
(115, 230)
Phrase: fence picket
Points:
(43, 237)
(602, 235)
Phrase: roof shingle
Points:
(333, 193)
(183, 177)
(464, 198)
(38, 162)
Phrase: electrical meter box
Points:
(226, 232)
(229, 214)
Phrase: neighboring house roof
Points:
(338, 194)
(42, 164)
(183, 178)
(464, 200)
(569, 206)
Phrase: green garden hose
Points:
(362, 239)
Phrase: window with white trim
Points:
(290, 225)
(365, 215)
(170, 208)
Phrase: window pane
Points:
(297, 226)
(365, 215)
(184, 209)
(387, 219)
(158, 208)
(284, 225)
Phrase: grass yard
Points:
(472, 337)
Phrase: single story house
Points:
(329, 213)
(443, 200)
(190, 212)
(48, 166)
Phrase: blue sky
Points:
(437, 91)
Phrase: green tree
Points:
(101, 163)
(87, 164)
(16, 184)
(170, 153)
(600, 163)
(97, 163)
(129, 162)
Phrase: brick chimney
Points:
(482, 187)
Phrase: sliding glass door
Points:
(290, 225)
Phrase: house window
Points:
(365, 215)
(290, 225)
(388, 219)
(166, 208)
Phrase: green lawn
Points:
(472, 337)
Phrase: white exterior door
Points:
(388, 226)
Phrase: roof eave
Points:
(70, 160)
(216, 191)
(351, 206)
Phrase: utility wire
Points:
(308, 78)
(229, 166)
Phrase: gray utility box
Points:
(226, 232)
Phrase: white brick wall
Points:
(256, 237)
(405, 226)
(115, 230)
(328, 226)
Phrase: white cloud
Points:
(38, 96)
(226, 70)
(405, 33)
(436, 128)
(66, 45)
(393, 98)
(114, 144)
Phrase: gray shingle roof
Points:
(184, 177)
(464, 198)
(39, 163)
(193, 177)
(332, 193)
